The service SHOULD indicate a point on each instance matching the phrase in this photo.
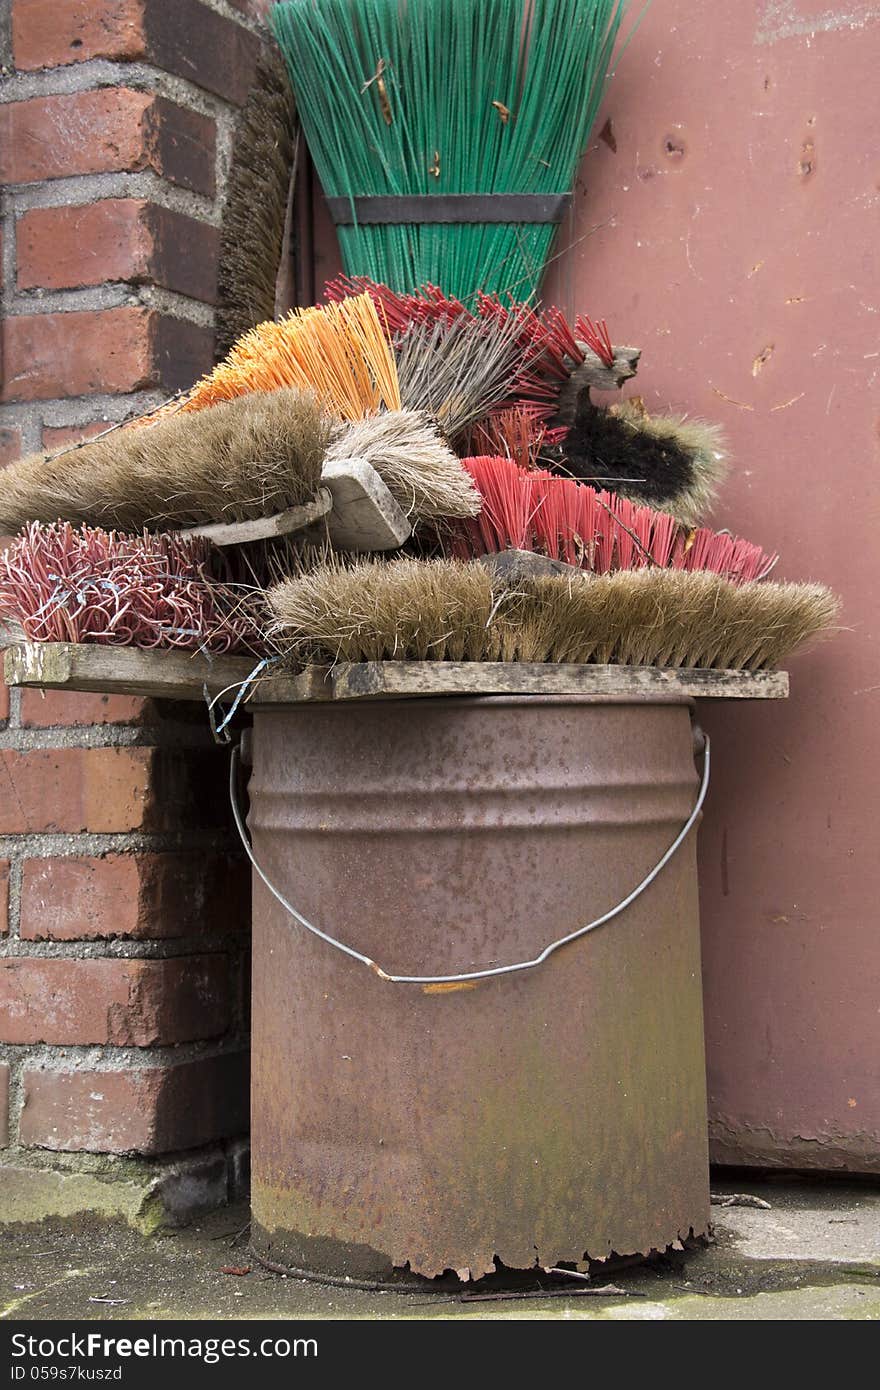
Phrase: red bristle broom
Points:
(397, 311)
(596, 337)
(597, 531)
(517, 432)
(551, 348)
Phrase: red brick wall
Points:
(123, 903)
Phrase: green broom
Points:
(447, 133)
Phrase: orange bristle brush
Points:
(340, 352)
(598, 531)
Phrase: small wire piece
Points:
(220, 731)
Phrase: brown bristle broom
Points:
(448, 611)
(254, 213)
(246, 458)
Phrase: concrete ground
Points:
(813, 1254)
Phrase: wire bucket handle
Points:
(471, 977)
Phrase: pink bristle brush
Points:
(557, 517)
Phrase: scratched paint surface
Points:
(739, 188)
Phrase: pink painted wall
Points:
(738, 244)
(728, 223)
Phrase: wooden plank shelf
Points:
(165, 674)
(177, 675)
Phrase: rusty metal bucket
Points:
(550, 1116)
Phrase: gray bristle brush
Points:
(458, 369)
(414, 462)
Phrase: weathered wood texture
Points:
(169, 675)
(361, 513)
(393, 679)
(598, 374)
(184, 676)
(365, 516)
(265, 527)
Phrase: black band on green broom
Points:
(538, 208)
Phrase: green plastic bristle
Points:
(483, 96)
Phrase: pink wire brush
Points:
(61, 583)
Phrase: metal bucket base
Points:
(537, 1119)
(403, 1280)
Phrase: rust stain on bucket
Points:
(544, 1117)
(449, 986)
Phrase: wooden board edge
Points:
(183, 675)
(44, 664)
(224, 533)
(163, 674)
(399, 679)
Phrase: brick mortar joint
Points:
(183, 739)
(83, 190)
(129, 948)
(109, 74)
(95, 844)
(246, 21)
(16, 1099)
(114, 294)
(122, 1167)
(14, 707)
(111, 294)
(69, 412)
(10, 254)
(71, 1059)
(172, 304)
(14, 902)
(6, 37)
